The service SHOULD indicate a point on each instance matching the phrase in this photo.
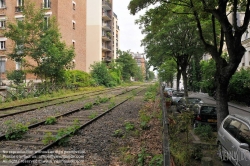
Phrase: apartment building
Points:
(116, 36)
(141, 62)
(99, 32)
(71, 18)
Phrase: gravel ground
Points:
(42, 113)
(96, 144)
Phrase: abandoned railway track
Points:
(26, 107)
(40, 137)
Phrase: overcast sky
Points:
(130, 34)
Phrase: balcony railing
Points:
(107, 58)
(106, 37)
(106, 26)
(106, 16)
(106, 5)
(106, 48)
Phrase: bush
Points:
(239, 86)
(17, 76)
(79, 78)
(101, 75)
(204, 131)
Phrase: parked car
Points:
(185, 103)
(205, 114)
(168, 92)
(234, 140)
(176, 97)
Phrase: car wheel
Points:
(222, 153)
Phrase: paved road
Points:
(233, 109)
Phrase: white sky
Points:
(130, 34)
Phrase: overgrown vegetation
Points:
(50, 120)
(49, 137)
(15, 130)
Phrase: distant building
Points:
(141, 62)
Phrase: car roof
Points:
(244, 118)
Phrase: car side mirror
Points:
(244, 146)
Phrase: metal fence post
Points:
(166, 150)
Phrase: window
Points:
(2, 4)
(73, 44)
(18, 65)
(19, 6)
(46, 4)
(2, 24)
(2, 64)
(2, 45)
(74, 24)
(233, 128)
(243, 64)
(244, 134)
(19, 2)
(46, 21)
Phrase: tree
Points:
(100, 73)
(40, 42)
(207, 82)
(55, 57)
(231, 30)
(128, 65)
(151, 75)
(167, 71)
(170, 37)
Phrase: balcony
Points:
(106, 27)
(106, 48)
(106, 37)
(107, 59)
(106, 5)
(18, 9)
(106, 16)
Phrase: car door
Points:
(230, 140)
(244, 137)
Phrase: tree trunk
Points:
(222, 101)
(178, 79)
(184, 75)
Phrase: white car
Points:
(234, 140)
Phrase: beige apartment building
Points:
(71, 18)
(99, 32)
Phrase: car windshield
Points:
(194, 100)
(178, 94)
(208, 110)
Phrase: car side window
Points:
(233, 128)
(227, 122)
(244, 134)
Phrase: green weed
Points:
(50, 120)
(15, 131)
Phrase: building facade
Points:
(71, 18)
(141, 62)
(99, 32)
(116, 36)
